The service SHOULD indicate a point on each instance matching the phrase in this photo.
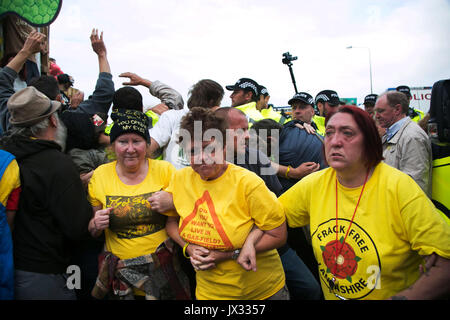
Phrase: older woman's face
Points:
(130, 149)
(343, 143)
(207, 158)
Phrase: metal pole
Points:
(292, 76)
(370, 66)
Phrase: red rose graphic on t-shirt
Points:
(343, 264)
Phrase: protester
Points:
(98, 103)
(213, 225)
(53, 209)
(299, 280)
(138, 251)
(207, 94)
(371, 226)
(9, 197)
(53, 68)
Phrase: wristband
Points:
(287, 171)
(184, 250)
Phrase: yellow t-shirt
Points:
(134, 229)
(219, 214)
(9, 181)
(395, 224)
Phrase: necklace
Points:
(339, 249)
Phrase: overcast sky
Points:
(181, 42)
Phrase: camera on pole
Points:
(287, 60)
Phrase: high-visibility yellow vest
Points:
(269, 113)
(419, 117)
(253, 114)
(440, 192)
(320, 123)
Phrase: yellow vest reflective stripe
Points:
(419, 116)
(153, 116)
(440, 192)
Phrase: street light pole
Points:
(370, 63)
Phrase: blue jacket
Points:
(296, 147)
(6, 245)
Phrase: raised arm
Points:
(34, 43)
(102, 97)
(100, 49)
(167, 95)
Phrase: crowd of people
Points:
(211, 202)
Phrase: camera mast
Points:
(287, 60)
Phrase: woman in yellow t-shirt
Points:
(219, 204)
(372, 227)
(134, 233)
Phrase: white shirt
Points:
(165, 133)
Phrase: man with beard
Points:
(53, 209)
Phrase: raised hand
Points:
(97, 43)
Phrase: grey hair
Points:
(396, 97)
(37, 129)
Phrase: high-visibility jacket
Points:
(440, 192)
(269, 113)
(416, 115)
(320, 123)
(254, 115)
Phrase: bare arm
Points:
(33, 44)
(154, 146)
(257, 241)
(296, 173)
(135, 80)
(161, 201)
(434, 283)
(196, 253)
(100, 221)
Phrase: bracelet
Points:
(287, 171)
(184, 250)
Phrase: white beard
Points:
(61, 135)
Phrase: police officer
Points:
(414, 114)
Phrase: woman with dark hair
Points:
(372, 227)
(219, 204)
